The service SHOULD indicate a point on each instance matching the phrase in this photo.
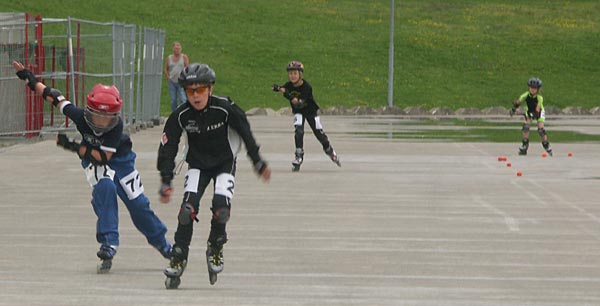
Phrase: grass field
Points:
(463, 53)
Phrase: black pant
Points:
(315, 124)
(221, 203)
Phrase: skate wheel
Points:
(104, 267)
(172, 282)
(212, 277)
(295, 168)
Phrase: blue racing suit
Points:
(117, 177)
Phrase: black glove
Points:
(513, 110)
(63, 141)
(300, 104)
(27, 75)
(56, 95)
(165, 189)
(260, 166)
(276, 87)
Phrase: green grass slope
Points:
(462, 53)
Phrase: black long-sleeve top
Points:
(304, 93)
(214, 136)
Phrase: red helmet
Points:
(105, 98)
(103, 108)
(295, 65)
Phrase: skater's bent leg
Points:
(143, 217)
(299, 136)
(186, 217)
(317, 128)
(525, 129)
(299, 130)
(542, 131)
(544, 136)
(104, 202)
(146, 221)
(221, 208)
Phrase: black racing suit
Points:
(305, 110)
(214, 136)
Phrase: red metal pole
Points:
(75, 94)
(39, 103)
(67, 83)
(28, 94)
(53, 71)
(82, 76)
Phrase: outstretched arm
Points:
(55, 97)
(49, 94)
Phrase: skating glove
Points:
(70, 145)
(165, 189)
(299, 104)
(260, 166)
(27, 75)
(263, 170)
(276, 87)
(513, 110)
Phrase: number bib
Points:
(224, 183)
(132, 185)
(298, 119)
(96, 173)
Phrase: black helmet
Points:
(197, 73)
(295, 65)
(535, 83)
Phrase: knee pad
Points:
(542, 132)
(221, 215)
(299, 130)
(187, 214)
(220, 209)
(525, 128)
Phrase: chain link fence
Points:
(73, 55)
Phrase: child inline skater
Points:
(215, 128)
(299, 92)
(534, 111)
(109, 163)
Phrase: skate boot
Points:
(334, 158)
(546, 146)
(165, 251)
(214, 261)
(524, 147)
(106, 254)
(175, 269)
(298, 160)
